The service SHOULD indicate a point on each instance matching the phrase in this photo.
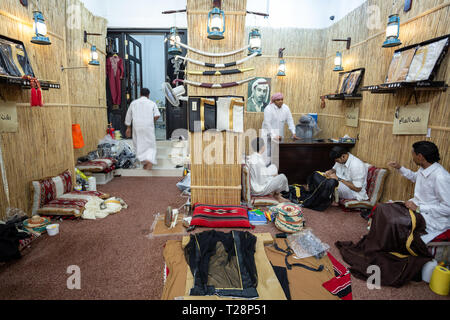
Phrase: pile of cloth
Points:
(241, 265)
(119, 150)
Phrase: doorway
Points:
(146, 65)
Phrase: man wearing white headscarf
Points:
(260, 96)
(276, 116)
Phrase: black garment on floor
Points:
(202, 249)
(282, 276)
(318, 195)
(9, 242)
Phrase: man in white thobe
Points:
(432, 189)
(142, 115)
(351, 173)
(265, 180)
(276, 116)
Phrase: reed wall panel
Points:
(377, 144)
(42, 146)
(217, 181)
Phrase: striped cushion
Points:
(49, 189)
(220, 216)
(98, 165)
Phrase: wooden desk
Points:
(298, 160)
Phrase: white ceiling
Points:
(283, 13)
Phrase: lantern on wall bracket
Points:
(94, 57)
(254, 41)
(392, 32)
(174, 40)
(216, 22)
(338, 62)
(282, 65)
(94, 54)
(40, 29)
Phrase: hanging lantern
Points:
(216, 24)
(282, 65)
(40, 29)
(94, 57)
(254, 40)
(282, 68)
(174, 39)
(392, 32)
(338, 62)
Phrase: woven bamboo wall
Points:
(426, 20)
(87, 92)
(216, 183)
(42, 147)
(304, 56)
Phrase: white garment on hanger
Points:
(141, 114)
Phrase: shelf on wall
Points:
(342, 96)
(25, 84)
(386, 88)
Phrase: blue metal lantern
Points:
(94, 57)
(40, 29)
(216, 24)
(282, 68)
(338, 62)
(282, 65)
(254, 41)
(174, 39)
(392, 32)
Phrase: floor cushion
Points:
(97, 165)
(220, 216)
(48, 189)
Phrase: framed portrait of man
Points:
(259, 91)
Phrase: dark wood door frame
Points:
(152, 31)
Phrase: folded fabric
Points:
(230, 114)
(425, 60)
(97, 165)
(341, 285)
(202, 114)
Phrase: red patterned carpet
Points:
(118, 261)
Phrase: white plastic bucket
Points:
(53, 229)
(92, 184)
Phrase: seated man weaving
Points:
(399, 232)
(265, 180)
(351, 173)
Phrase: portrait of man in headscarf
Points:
(258, 94)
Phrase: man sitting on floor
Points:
(432, 190)
(265, 180)
(399, 232)
(351, 173)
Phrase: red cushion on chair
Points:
(445, 237)
(220, 216)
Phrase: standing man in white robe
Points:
(276, 116)
(265, 180)
(142, 115)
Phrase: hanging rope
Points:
(212, 65)
(214, 85)
(209, 54)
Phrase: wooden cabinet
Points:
(297, 160)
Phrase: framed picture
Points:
(259, 92)
(14, 60)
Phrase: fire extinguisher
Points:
(111, 131)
